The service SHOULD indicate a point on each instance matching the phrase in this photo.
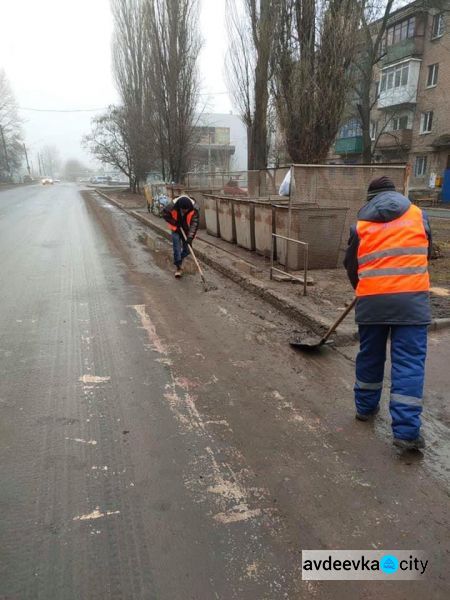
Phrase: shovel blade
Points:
(309, 343)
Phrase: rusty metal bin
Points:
(244, 218)
(211, 215)
(264, 223)
(320, 227)
(225, 210)
(263, 226)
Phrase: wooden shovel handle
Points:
(339, 320)
(193, 254)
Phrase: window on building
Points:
(438, 26)
(433, 71)
(399, 122)
(394, 77)
(426, 121)
(351, 129)
(373, 129)
(420, 166)
(206, 135)
(401, 31)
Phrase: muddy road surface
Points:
(160, 442)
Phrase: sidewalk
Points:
(326, 299)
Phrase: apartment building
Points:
(411, 118)
(220, 143)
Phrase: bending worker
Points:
(182, 216)
(387, 264)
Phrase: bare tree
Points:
(374, 20)
(131, 64)
(110, 144)
(314, 49)
(251, 35)
(11, 143)
(50, 160)
(175, 43)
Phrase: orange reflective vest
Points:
(393, 256)
(174, 214)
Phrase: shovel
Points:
(312, 342)
(206, 287)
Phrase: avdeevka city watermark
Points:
(363, 564)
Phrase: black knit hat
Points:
(378, 185)
(184, 202)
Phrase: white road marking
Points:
(93, 379)
(80, 441)
(96, 514)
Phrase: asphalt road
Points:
(157, 442)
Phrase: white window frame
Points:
(395, 122)
(389, 77)
(437, 31)
(433, 74)
(420, 166)
(426, 122)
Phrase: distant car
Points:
(57, 181)
(47, 181)
(100, 180)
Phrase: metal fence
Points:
(257, 184)
(305, 260)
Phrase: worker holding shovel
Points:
(387, 264)
(183, 218)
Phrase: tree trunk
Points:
(364, 114)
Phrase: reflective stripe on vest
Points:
(174, 214)
(393, 256)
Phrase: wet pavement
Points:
(160, 442)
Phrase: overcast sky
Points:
(57, 55)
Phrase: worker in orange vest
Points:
(181, 215)
(387, 264)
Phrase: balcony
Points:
(349, 145)
(395, 140)
(402, 95)
(411, 47)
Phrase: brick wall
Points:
(434, 99)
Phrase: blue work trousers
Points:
(408, 355)
(180, 249)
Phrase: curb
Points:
(313, 321)
(438, 324)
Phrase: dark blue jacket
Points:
(407, 308)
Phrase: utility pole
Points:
(26, 156)
(40, 165)
(6, 151)
(209, 150)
